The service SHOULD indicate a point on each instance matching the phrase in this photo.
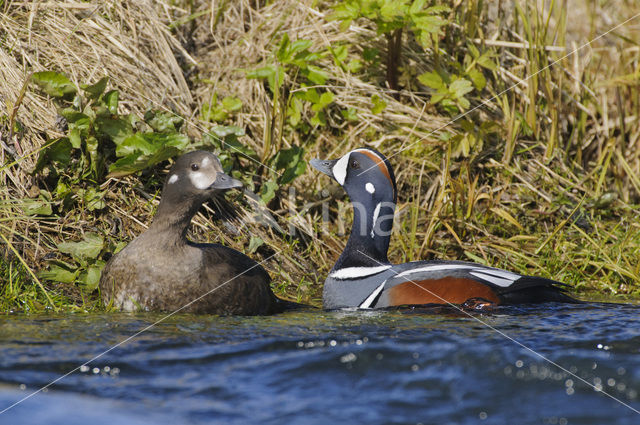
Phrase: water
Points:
(315, 367)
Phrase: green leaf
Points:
(72, 116)
(92, 148)
(325, 99)
(89, 248)
(291, 173)
(268, 191)
(59, 272)
(473, 50)
(36, 207)
(317, 75)
(346, 12)
(432, 80)
(460, 87)
(298, 47)
(231, 103)
(294, 111)
(213, 113)
(269, 73)
(354, 66)
(94, 91)
(262, 72)
(254, 243)
(340, 53)
(111, 99)
(54, 84)
(378, 104)
(163, 122)
(417, 6)
(137, 161)
(479, 82)
(93, 199)
(227, 130)
(370, 54)
(91, 278)
(350, 114)
(430, 24)
(58, 152)
(292, 162)
(318, 119)
(151, 143)
(117, 129)
(75, 138)
(486, 61)
(283, 53)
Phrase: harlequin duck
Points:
(363, 276)
(161, 270)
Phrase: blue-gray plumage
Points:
(363, 276)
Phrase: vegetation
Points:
(515, 143)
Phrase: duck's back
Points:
(195, 278)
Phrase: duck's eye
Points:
(355, 164)
(195, 167)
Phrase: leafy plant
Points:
(86, 265)
(392, 18)
(100, 140)
(219, 112)
(452, 87)
(292, 62)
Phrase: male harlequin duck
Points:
(162, 270)
(363, 276)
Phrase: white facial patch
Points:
(173, 179)
(376, 212)
(205, 161)
(340, 169)
(201, 180)
(370, 188)
(356, 272)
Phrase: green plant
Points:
(100, 140)
(87, 261)
(391, 18)
(295, 61)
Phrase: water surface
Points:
(316, 367)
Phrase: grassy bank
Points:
(508, 150)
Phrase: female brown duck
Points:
(162, 270)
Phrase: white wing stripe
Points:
(354, 272)
(367, 303)
(499, 273)
(501, 278)
(493, 279)
(436, 268)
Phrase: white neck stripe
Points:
(376, 212)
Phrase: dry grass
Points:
(509, 203)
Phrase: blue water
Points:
(315, 367)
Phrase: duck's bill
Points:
(324, 166)
(224, 181)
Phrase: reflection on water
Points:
(416, 366)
